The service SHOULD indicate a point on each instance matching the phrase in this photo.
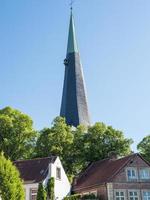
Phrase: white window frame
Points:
(58, 175)
(134, 197)
(143, 176)
(132, 177)
(33, 193)
(120, 197)
(147, 197)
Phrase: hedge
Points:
(81, 197)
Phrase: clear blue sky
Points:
(114, 43)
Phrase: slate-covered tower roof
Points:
(74, 101)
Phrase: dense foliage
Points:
(96, 144)
(56, 140)
(144, 147)
(83, 197)
(10, 184)
(78, 147)
(41, 194)
(75, 147)
(73, 197)
(17, 136)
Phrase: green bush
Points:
(41, 194)
(73, 197)
(11, 187)
(80, 197)
(89, 197)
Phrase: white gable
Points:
(62, 185)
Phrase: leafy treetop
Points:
(17, 136)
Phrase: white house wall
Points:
(62, 186)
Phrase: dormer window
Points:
(145, 173)
(58, 173)
(131, 173)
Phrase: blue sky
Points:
(114, 42)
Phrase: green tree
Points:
(101, 140)
(78, 147)
(41, 194)
(56, 140)
(144, 147)
(17, 136)
(50, 189)
(97, 143)
(11, 187)
(76, 159)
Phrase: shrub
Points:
(89, 197)
(73, 197)
(41, 194)
(11, 187)
(81, 197)
(50, 188)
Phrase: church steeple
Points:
(74, 101)
(72, 43)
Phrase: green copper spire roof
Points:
(72, 43)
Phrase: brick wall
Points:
(138, 163)
(101, 191)
(121, 181)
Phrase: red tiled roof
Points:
(101, 172)
(35, 170)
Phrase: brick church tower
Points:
(74, 105)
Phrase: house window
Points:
(119, 195)
(146, 195)
(133, 195)
(131, 174)
(145, 173)
(58, 173)
(33, 194)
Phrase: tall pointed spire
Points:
(72, 43)
(74, 101)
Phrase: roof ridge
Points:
(40, 158)
(130, 155)
(112, 159)
(115, 159)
